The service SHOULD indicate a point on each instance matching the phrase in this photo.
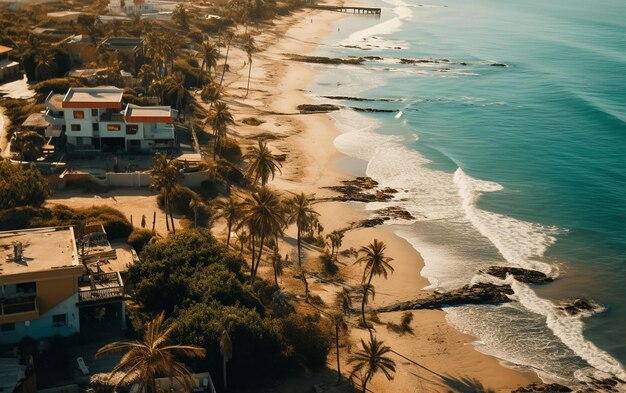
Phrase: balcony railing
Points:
(103, 286)
(56, 118)
(18, 305)
(115, 117)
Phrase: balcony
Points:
(54, 118)
(54, 131)
(112, 117)
(100, 287)
(18, 308)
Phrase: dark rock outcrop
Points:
(581, 306)
(326, 60)
(423, 61)
(497, 65)
(543, 388)
(317, 108)
(356, 108)
(481, 293)
(522, 275)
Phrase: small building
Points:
(49, 285)
(128, 51)
(8, 69)
(96, 119)
(81, 48)
(142, 7)
(65, 16)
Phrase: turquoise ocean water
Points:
(519, 165)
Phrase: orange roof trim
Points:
(149, 119)
(5, 49)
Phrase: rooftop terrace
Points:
(42, 249)
(93, 97)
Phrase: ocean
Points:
(507, 142)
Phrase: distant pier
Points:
(348, 9)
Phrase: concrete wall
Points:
(43, 326)
(139, 179)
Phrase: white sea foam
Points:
(457, 239)
(569, 329)
(370, 37)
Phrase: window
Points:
(26, 287)
(94, 127)
(79, 114)
(75, 127)
(59, 320)
(132, 129)
(114, 127)
(94, 112)
(7, 327)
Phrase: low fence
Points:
(122, 180)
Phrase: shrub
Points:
(193, 75)
(21, 186)
(115, 223)
(57, 85)
(310, 340)
(328, 263)
(231, 150)
(139, 237)
(405, 321)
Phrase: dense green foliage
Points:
(139, 237)
(57, 85)
(21, 186)
(114, 222)
(200, 284)
(28, 145)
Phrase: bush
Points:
(405, 322)
(328, 263)
(139, 237)
(310, 340)
(115, 223)
(193, 75)
(57, 85)
(231, 150)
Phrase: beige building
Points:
(50, 282)
(8, 69)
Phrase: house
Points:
(8, 69)
(127, 50)
(81, 48)
(96, 119)
(142, 7)
(51, 283)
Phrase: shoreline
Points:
(278, 86)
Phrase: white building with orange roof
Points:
(96, 119)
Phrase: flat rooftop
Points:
(139, 114)
(42, 249)
(93, 97)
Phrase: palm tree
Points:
(230, 210)
(340, 324)
(177, 89)
(304, 216)
(228, 38)
(264, 218)
(367, 290)
(165, 176)
(220, 118)
(151, 358)
(376, 263)
(371, 359)
(249, 47)
(45, 64)
(226, 349)
(261, 163)
(210, 53)
(336, 238)
(146, 76)
(343, 300)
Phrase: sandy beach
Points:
(436, 357)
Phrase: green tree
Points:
(228, 39)
(263, 215)
(21, 186)
(180, 17)
(335, 238)
(165, 175)
(146, 76)
(29, 145)
(370, 360)
(176, 90)
(153, 357)
(376, 263)
(220, 118)
(302, 214)
(261, 164)
(343, 299)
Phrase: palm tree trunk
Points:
(337, 345)
(299, 243)
(363, 307)
(275, 260)
(224, 370)
(249, 72)
(258, 261)
(230, 226)
(253, 248)
(167, 204)
(225, 63)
